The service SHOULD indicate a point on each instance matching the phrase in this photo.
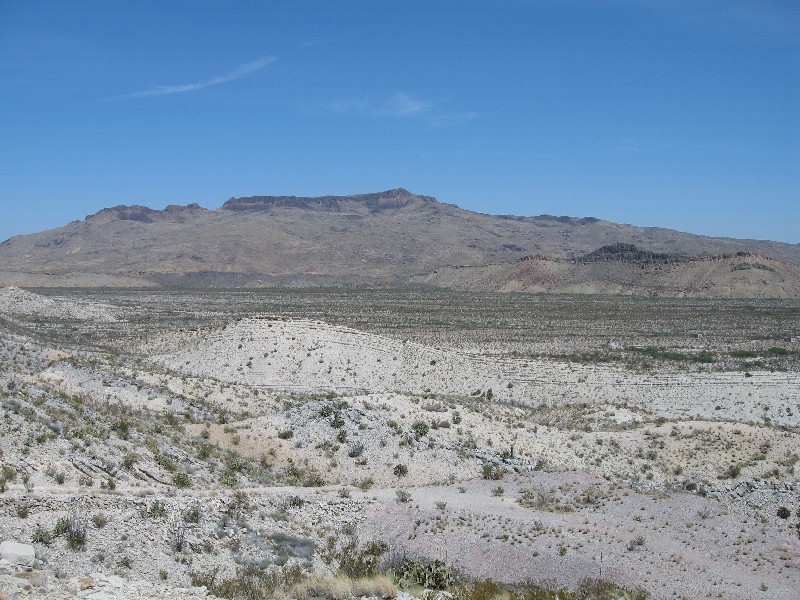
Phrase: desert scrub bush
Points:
(366, 483)
(355, 450)
(192, 515)
(204, 451)
(176, 532)
(239, 505)
(286, 545)
(247, 583)
(303, 477)
(636, 543)
(420, 429)
(400, 470)
(784, 513)
(353, 559)
(130, 459)
(165, 462)
(122, 428)
(8, 473)
(99, 520)
(778, 351)
(181, 480)
(402, 496)
(432, 575)
(732, 472)
(75, 530)
(286, 434)
(229, 478)
(60, 528)
(156, 509)
(41, 536)
(492, 472)
(342, 587)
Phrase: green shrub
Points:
(165, 462)
(229, 478)
(433, 575)
(420, 429)
(41, 536)
(181, 480)
(492, 472)
(192, 515)
(157, 509)
(99, 520)
(355, 560)
(356, 449)
(60, 527)
(732, 472)
(778, 351)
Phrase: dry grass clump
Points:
(342, 587)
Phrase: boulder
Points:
(23, 555)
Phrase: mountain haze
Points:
(390, 237)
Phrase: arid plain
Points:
(156, 442)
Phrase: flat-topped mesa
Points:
(397, 198)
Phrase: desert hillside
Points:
(350, 443)
(740, 275)
(382, 238)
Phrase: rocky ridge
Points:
(393, 237)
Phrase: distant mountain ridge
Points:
(385, 238)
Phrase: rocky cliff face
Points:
(391, 199)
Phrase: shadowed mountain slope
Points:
(382, 238)
(739, 275)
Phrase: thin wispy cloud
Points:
(312, 43)
(445, 119)
(398, 105)
(638, 145)
(402, 105)
(237, 73)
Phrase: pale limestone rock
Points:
(23, 555)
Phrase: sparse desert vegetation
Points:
(334, 443)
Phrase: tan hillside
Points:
(740, 275)
(382, 238)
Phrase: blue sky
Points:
(681, 114)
